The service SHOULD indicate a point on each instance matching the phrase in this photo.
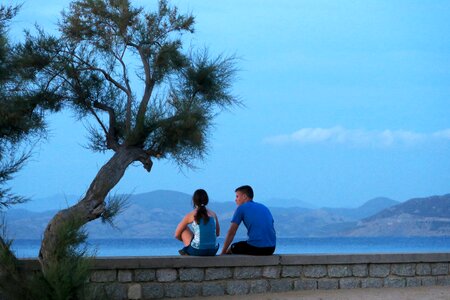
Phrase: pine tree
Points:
(147, 97)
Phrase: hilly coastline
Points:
(156, 214)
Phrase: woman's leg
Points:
(186, 236)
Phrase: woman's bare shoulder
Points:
(190, 215)
(211, 213)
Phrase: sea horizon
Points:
(29, 248)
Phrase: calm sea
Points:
(334, 245)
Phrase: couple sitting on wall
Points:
(201, 240)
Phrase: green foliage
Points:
(24, 97)
(10, 275)
(128, 69)
(8, 167)
(66, 277)
(114, 206)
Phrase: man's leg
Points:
(245, 248)
(240, 248)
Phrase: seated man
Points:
(259, 223)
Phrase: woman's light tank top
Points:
(204, 234)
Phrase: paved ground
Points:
(420, 293)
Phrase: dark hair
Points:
(200, 200)
(245, 189)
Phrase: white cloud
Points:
(356, 137)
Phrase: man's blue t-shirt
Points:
(259, 223)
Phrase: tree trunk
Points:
(92, 205)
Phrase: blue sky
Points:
(344, 101)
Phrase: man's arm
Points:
(229, 238)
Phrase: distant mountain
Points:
(156, 214)
(369, 208)
(435, 206)
(163, 199)
(416, 217)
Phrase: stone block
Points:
(305, 284)
(144, 275)
(217, 273)
(439, 269)
(315, 271)
(135, 292)
(174, 290)
(349, 283)
(125, 276)
(259, 286)
(291, 271)
(429, 281)
(281, 285)
(271, 272)
(327, 284)
(360, 270)
(116, 291)
(394, 282)
(403, 269)
(152, 290)
(372, 283)
(443, 280)
(339, 271)
(413, 282)
(194, 274)
(103, 276)
(423, 269)
(166, 275)
(247, 272)
(193, 290)
(237, 287)
(213, 289)
(379, 270)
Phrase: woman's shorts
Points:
(189, 250)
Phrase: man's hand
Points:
(229, 238)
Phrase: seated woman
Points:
(201, 241)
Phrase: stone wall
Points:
(176, 277)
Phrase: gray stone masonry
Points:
(194, 274)
(439, 269)
(379, 270)
(272, 271)
(237, 287)
(259, 286)
(291, 271)
(339, 271)
(403, 269)
(166, 275)
(173, 277)
(360, 270)
(218, 273)
(315, 271)
(135, 292)
(281, 285)
(125, 276)
(349, 283)
(247, 272)
(423, 269)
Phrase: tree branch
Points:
(111, 140)
(149, 83)
(129, 94)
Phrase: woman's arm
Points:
(183, 225)
(217, 225)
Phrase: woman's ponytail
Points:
(200, 200)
